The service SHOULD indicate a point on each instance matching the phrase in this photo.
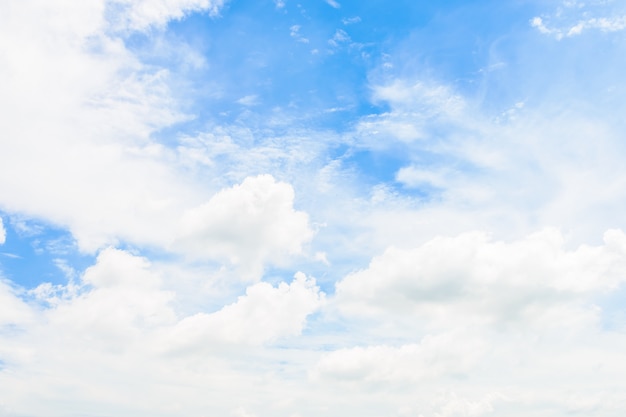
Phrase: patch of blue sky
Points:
(305, 61)
(312, 65)
(34, 253)
(462, 46)
(375, 166)
(310, 62)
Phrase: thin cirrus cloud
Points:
(191, 230)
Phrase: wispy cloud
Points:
(351, 20)
(251, 100)
(340, 37)
(573, 19)
(295, 33)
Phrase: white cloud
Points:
(123, 300)
(248, 225)
(250, 100)
(111, 106)
(534, 280)
(437, 99)
(575, 18)
(340, 37)
(418, 110)
(511, 175)
(263, 315)
(295, 33)
(333, 4)
(351, 20)
(604, 24)
(140, 15)
(117, 323)
(79, 103)
(415, 177)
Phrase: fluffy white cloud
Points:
(535, 279)
(264, 314)
(116, 337)
(140, 15)
(80, 109)
(248, 224)
(474, 326)
(118, 300)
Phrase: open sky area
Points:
(305, 208)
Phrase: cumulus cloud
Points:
(264, 314)
(455, 311)
(79, 102)
(118, 323)
(119, 299)
(248, 225)
(532, 280)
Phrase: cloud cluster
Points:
(117, 322)
(263, 314)
(473, 326)
(248, 225)
(435, 293)
(534, 280)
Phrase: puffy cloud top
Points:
(471, 274)
(248, 224)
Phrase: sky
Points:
(281, 208)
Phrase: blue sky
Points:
(312, 208)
